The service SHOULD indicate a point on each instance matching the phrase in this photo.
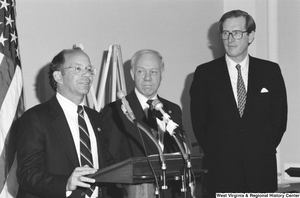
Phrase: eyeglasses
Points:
(80, 69)
(236, 34)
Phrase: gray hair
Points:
(146, 51)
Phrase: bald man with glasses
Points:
(61, 141)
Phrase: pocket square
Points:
(264, 90)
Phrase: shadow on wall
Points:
(214, 41)
(185, 101)
(129, 82)
(216, 46)
(44, 91)
(42, 85)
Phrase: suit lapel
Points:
(141, 118)
(95, 122)
(253, 74)
(225, 85)
(63, 131)
(168, 110)
(137, 109)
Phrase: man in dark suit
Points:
(51, 162)
(239, 116)
(147, 69)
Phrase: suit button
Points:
(82, 194)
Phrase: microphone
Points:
(131, 117)
(121, 95)
(174, 128)
(158, 106)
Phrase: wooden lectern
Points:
(136, 177)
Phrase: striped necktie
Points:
(241, 91)
(85, 145)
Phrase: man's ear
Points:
(251, 37)
(57, 76)
(132, 74)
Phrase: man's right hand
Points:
(78, 178)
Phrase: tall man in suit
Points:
(147, 67)
(51, 162)
(238, 117)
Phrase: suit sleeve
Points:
(112, 124)
(178, 118)
(199, 106)
(278, 106)
(32, 173)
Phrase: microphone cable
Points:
(149, 163)
(130, 116)
(146, 153)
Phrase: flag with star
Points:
(11, 97)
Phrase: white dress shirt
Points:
(233, 73)
(70, 111)
(161, 126)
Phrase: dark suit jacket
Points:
(123, 135)
(46, 151)
(237, 147)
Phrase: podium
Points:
(136, 177)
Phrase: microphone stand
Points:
(185, 151)
(188, 161)
(161, 155)
(189, 164)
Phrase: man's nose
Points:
(86, 72)
(147, 75)
(230, 38)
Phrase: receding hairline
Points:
(140, 53)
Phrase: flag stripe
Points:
(11, 98)
(7, 70)
(8, 114)
(10, 104)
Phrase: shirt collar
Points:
(67, 104)
(143, 99)
(231, 64)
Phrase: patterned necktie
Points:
(151, 119)
(241, 91)
(85, 145)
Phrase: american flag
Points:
(11, 97)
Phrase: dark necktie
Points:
(85, 145)
(241, 91)
(151, 119)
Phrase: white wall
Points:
(183, 31)
(289, 59)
